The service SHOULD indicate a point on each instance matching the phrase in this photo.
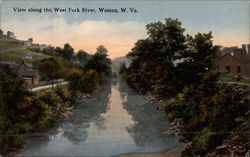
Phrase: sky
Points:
(227, 19)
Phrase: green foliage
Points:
(99, 62)
(85, 82)
(166, 56)
(181, 70)
(67, 51)
(216, 110)
(122, 68)
(48, 97)
(7, 44)
(202, 143)
(21, 111)
(49, 68)
(64, 93)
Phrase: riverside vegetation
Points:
(24, 112)
(180, 70)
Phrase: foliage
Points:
(122, 68)
(99, 62)
(180, 68)
(67, 51)
(85, 82)
(49, 68)
(21, 111)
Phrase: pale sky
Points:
(228, 20)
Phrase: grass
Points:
(16, 56)
(229, 77)
(7, 44)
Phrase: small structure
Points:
(236, 62)
(28, 42)
(29, 74)
(32, 56)
(40, 47)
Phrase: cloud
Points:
(117, 37)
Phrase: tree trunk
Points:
(52, 84)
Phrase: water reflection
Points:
(149, 122)
(115, 120)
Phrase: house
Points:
(32, 56)
(29, 74)
(40, 47)
(236, 62)
(28, 42)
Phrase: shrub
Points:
(85, 82)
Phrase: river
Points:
(114, 120)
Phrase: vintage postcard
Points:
(124, 78)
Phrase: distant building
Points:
(32, 56)
(28, 42)
(29, 74)
(40, 47)
(236, 61)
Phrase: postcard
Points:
(125, 78)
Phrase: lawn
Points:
(7, 44)
(16, 56)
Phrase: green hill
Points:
(7, 44)
(16, 56)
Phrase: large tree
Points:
(49, 68)
(82, 57)
(100, 61)
(67, 51)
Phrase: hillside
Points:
(6, 45)
(118, 61)
(16, 56)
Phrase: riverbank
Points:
(60, 103)
(175, 152)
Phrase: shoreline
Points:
(174, 152)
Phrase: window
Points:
(228, 68)
(238, 69)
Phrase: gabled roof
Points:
(28, 73)
(243, 60)
(28, 65)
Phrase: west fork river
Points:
(114, 120)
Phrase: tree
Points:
(152, 68)
(82, 81)
(67, 51)
(49, 68)
(99, 62)
(101, 50)
(82, 56)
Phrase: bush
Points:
(201, 143)
(85, 82)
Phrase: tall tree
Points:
(100, 61)
(82, 57)
(153, 58)
(49, 68)
(67, 51)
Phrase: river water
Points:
(114, 120)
